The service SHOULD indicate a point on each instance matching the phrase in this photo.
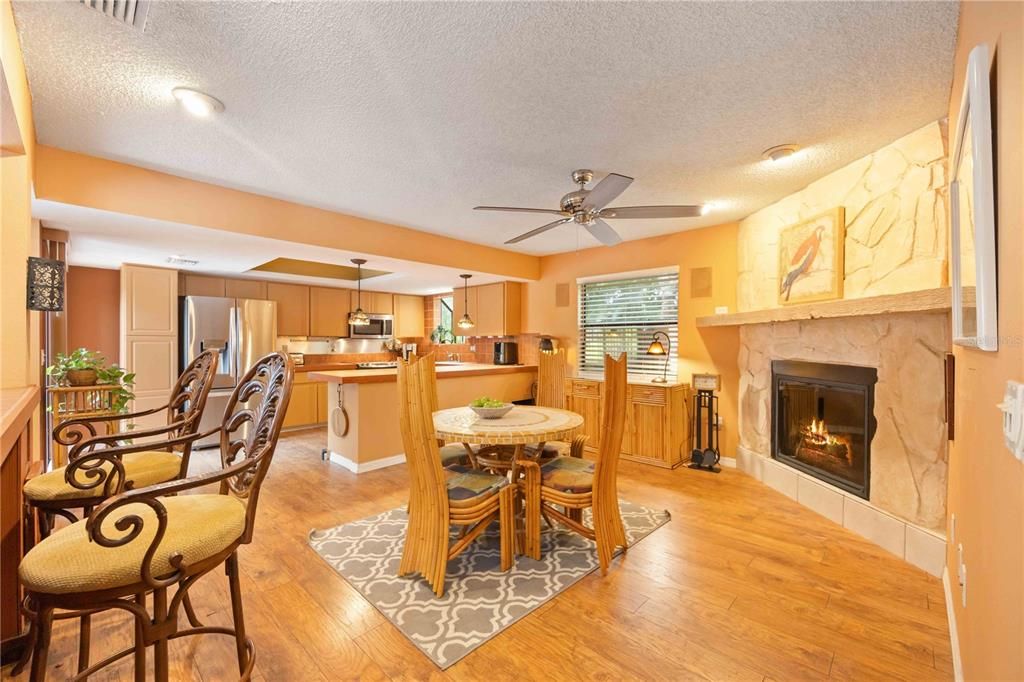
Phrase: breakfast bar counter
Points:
(363, 432)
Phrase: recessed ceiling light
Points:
(780, 152)
(197, 103)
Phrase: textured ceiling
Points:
(413, 112)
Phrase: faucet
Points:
(455, 356)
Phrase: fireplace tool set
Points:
(705, 455)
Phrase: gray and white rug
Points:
(479, 600)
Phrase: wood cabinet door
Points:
(646, 430)
(490, 310)
(383, 304)
(292, 308)
(201, 285)
(149, 301)
(513, 309)
(328, 311)
(409, 320)
(302, 407)
(246, 288)
(323, 402)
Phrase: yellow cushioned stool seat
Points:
(141, 468)
(198, 527)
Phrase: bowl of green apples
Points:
(489, 408)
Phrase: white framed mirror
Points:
(972, 213)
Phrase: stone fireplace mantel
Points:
(926, 300)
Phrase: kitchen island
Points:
(363, 433)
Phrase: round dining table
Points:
(523, 425)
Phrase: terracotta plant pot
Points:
(82, 377)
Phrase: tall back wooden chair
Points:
(96, 470)
(574, 483)
(442, 497)
(552, 370)
(145, 541)
(450, 453)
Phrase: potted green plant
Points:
(442, 334)
(83, 367)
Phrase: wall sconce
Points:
(45, 286)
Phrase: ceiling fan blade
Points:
(604, 233)
(652, 212)
(539, 230)
(519, 210)
(605, 191)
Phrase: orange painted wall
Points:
(701, 350)
(108, 185)
(986, 483)
(93, 304)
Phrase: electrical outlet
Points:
(952, 528)
(472, 349)
(960, 564)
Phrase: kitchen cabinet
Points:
(375, 302)
(496, 309)
(292, 308)
(657, 428)
(408, 316)
(308, 405)
(328, 311)
(149, 336)
(245, 288)
(202, 285)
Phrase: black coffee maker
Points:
(506, 353)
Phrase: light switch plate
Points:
(1013, 418)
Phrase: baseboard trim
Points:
(729, 462)
(363, 467)
(954, 639)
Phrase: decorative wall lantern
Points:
(45, 287)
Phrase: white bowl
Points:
(493, 412)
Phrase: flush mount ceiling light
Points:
(197, 103)
(358, 318)
(779, 152)
(466, 322)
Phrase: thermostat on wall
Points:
(707, 382)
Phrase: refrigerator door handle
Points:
(235, 343)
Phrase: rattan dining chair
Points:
(144, 542)
(442, 497)
(575, 484)
(94, 473)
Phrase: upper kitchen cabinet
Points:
(201, 285)
(374, 302)
(245, 288)
(496, 309)
(328, 311)
(408, 316)
(292, 308)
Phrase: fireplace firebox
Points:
(823, 421)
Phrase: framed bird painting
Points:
(811, 258)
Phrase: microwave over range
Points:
(379, 327)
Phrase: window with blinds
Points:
(621, 316)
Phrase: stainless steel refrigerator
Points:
(241, 330)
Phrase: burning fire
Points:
(817, 434)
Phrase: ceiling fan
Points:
(587, 207)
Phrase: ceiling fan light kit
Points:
(587, 207)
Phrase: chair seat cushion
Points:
(568, 474)
(141, 468)
(198, 526)
(465, 483)
(551, 450)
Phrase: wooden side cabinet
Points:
(657, 428)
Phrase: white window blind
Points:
(621, 316)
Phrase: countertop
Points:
(378, 376)
(634, 380)
(324, 366)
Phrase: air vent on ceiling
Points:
(181, 260)
(131, 12)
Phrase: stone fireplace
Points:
(823, 421)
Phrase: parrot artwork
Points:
(802, 259)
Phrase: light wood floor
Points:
(742, 584)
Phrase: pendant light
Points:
(358, 318)
(466, 322)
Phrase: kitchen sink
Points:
(448, 363)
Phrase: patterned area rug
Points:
(479, 600)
